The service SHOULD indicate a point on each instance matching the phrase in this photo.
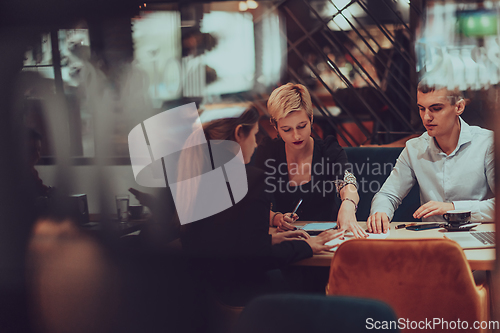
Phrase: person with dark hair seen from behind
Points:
(301, 167)
(233, 249)
(452, 162)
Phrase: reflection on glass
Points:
(233, 59)
(463, 55)
(157, 51)
(74, 47)
(39, 54)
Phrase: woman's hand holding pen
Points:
(284, 222)
(289, 235)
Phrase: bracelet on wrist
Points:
(354, 202)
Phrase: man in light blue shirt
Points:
(452, 162)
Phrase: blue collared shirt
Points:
(465, 177)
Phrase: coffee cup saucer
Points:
(463, 227)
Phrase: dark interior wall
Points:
(49, 12)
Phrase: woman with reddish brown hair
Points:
(233, 248)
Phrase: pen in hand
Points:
(295, 210)
(296, 207)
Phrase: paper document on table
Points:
(378, 236)
(349, 235)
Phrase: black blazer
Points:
(328, 165)
(242, 231)
(233, 248)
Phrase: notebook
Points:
(317, 228)
(473, 239)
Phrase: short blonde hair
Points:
(289, 98)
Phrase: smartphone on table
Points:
(419, 227)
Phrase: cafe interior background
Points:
(84, 74)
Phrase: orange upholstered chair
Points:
(419, 279)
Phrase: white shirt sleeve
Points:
(395, 188)
(482, 210)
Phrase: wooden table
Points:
(479, 259)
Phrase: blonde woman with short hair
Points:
(300, 167)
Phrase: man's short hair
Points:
(454, 95)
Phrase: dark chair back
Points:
(313, 314)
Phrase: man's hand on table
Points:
(432, 208)
(378, 223)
